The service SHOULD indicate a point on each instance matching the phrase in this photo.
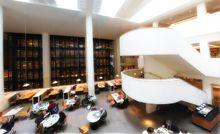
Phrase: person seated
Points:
(40, 129)
(8, 123)
(53, 107)
(41, 117)
(77, 99)
(124, 104)
(103, 114)
(76, 104)
(170, 126)
(35, 110)
(61, 121)
(150, 130)
(85, 101)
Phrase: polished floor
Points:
(130, 120)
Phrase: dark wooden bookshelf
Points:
(67, 59)
(103, 59)
(16, 70)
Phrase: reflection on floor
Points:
(134, 119)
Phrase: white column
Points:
(140, 61)
(89, 56)
(155, 24)
(117, 57)
(46, 60)
(1, 55)
(204, 49)
(201, 10)
(206, 84)
(3, 101)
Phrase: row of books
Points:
(29, 43)
(30, 53)
(67, 45)
(101, 54)
(22, 75)
(67, 53)
(29, 65)
(103, 46)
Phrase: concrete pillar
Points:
(201, 10)
(206, 84)
(117, 58)
(204, 49)
(46, 60)
(89, 56)
(1, 55)
(140, 61)
(155, 24)
(3, 100)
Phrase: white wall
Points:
(199, 26)
(155, 67)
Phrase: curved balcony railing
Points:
(160, 91)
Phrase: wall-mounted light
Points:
(78, 80)
(25, 85)
(55, 82)
(100, 78)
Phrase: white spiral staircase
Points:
(166, 54)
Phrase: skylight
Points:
(155, 8)
(67, 4)
(110, 7)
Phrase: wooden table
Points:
(54, 92)
(209, 125)
(2, 131)
(13, 111)
(101, 84)
(117, 98)
(26, 96)
(81, 87)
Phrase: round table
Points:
(2, 131)
(93, 116)
(51, 120)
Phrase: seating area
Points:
(117, 120)
(48, 107)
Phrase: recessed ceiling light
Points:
(110, 7)
(156, 8)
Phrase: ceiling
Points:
(213, 6)
(41, 18)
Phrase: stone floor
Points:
(132, 120)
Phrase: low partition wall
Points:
(160, 91)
